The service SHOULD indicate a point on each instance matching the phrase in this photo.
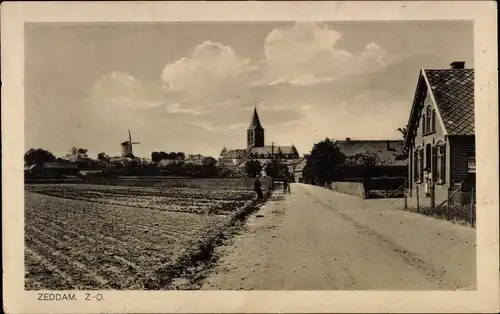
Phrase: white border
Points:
(485, 299)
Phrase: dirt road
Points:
(317, 239)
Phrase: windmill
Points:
(127, 146)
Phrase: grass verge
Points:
(460, 214)
(185, 269)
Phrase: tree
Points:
(82, 151)
(176, 169)
(223, 152)
(133, 164)
(163, 155)
(38, 157)
(103, 157)
(181, 156)
(209, 161)
(324, 160)
(403, 154)
(156, 157)
(366, 158)
(253, 168)
(275, 169)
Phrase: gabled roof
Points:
(386, 149)
(235, 154)
(59, 165)
(300, 166)
(165, 162)
(255, 123)
(287, 149)
(453, 90)
(30, 167)
(263, 150)
(276, 150)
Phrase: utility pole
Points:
(272, 164)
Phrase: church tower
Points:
(255, 132)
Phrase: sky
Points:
(192, 87)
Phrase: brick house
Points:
(54, 169)
(387, 152)
(440, 133)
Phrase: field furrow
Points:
(67, 254)
(130, 246)
(115, 228)
(82, 278)
(41, 273)
(112, 237)
(107, 266)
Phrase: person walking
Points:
(257, 187)
(290, 180)
(285, 184)
(427, 181)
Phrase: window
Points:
(424, 130)
(428, 128)
(421, 165)
(415, 166)
(433, 120)
(472, 164)
(441, 163)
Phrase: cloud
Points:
(177, 108)
(306, 81)
(118, 89)
(308, 53)
(208, 59)
(210, 74)
(214, 128)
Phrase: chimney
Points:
(456, 65)
(347, 138)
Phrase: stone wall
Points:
(352, 188)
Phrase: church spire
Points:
(255, 124)
(255, 132)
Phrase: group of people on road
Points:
(257, 186)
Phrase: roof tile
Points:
(453, 90)
(386, 149)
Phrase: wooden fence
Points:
(460, 205)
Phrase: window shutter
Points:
(421, 164)
(443, 163)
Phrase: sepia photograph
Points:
(146, 144)
(239, 155)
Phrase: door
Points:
(434, 164)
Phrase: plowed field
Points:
(102, 237)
